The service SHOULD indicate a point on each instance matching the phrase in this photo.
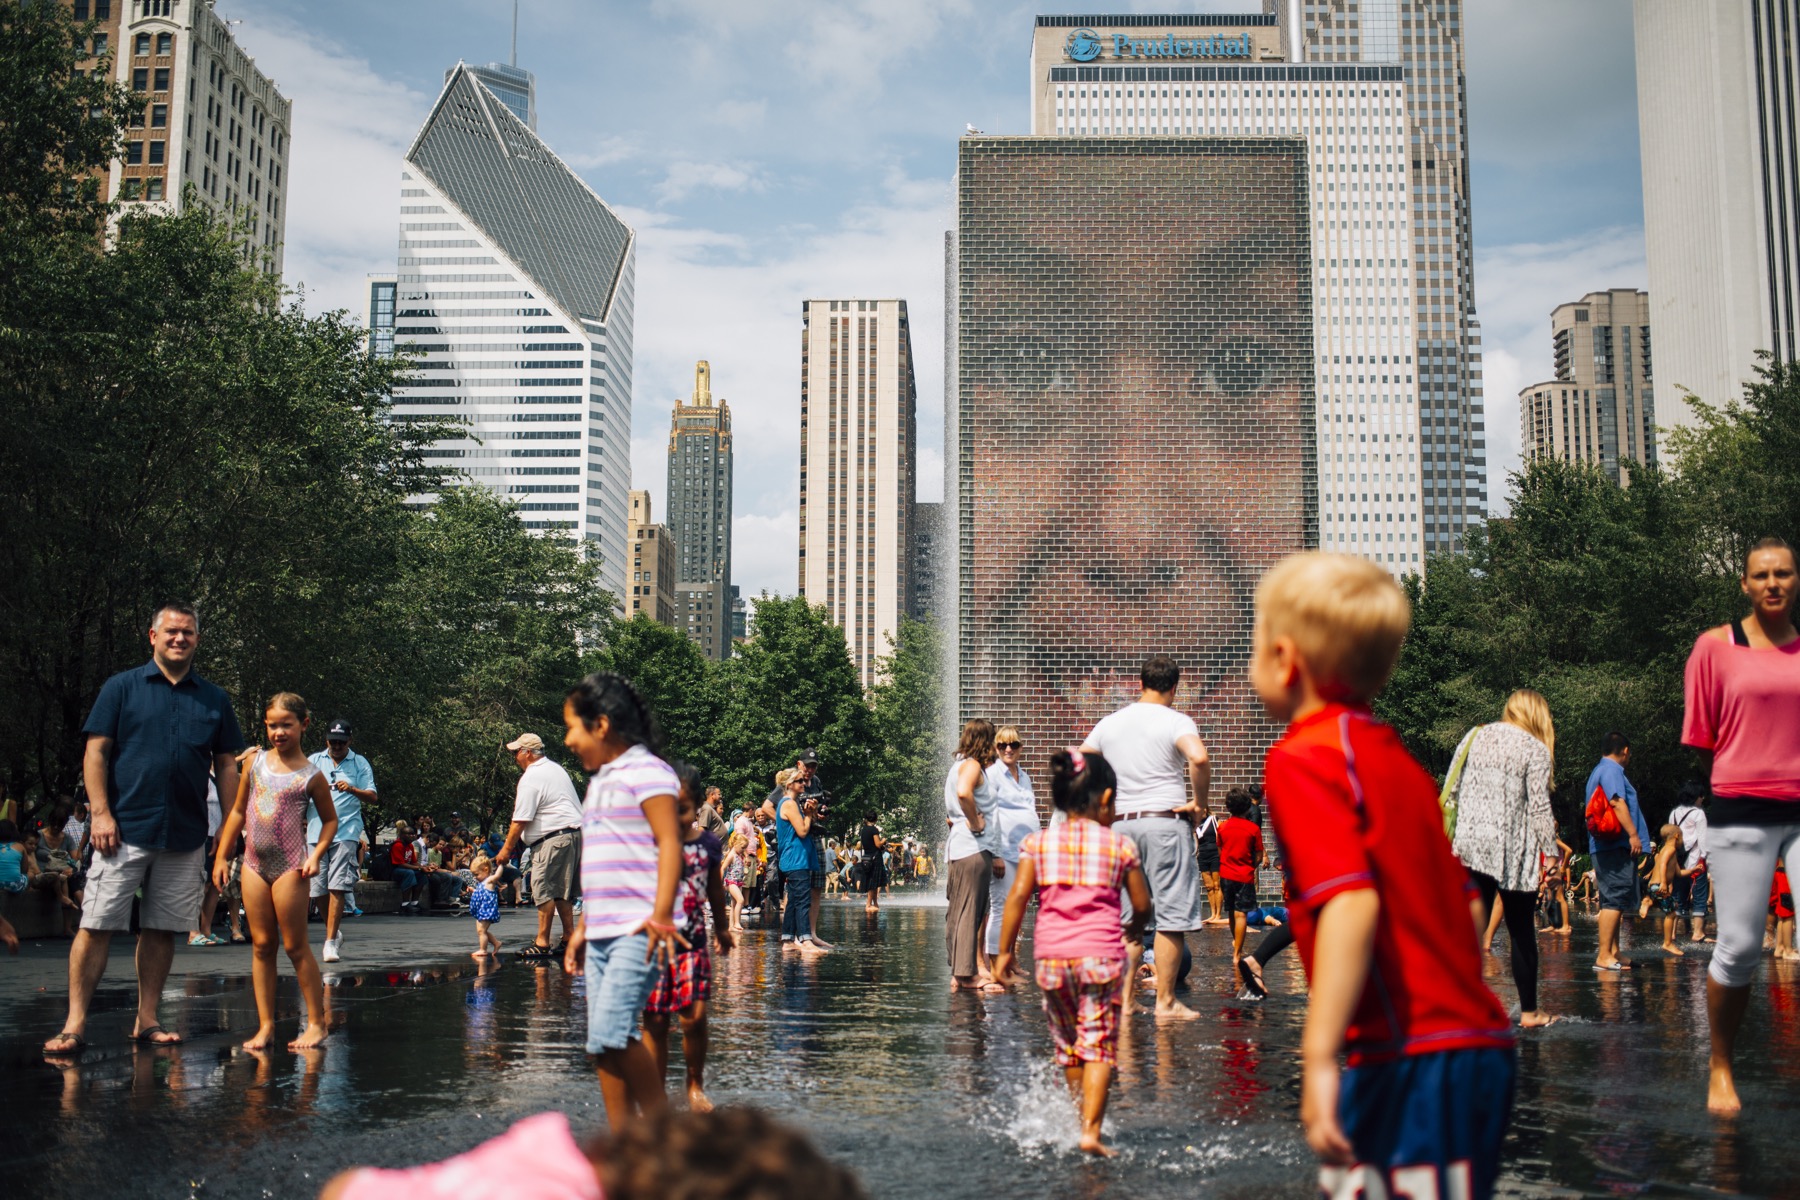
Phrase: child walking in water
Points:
(484, 906)
(1076, 869)
(270, 812)
(734, 870)
(683, 987)
(1664, 870)
(1384, 916)
(631, 866)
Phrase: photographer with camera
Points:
(793, 832)
(812, 788)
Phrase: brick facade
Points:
(1132, 424)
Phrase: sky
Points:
(771, 151)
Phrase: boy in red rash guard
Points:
(1384, 913)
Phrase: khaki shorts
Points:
(556, 868)
(173, 881)
(338, 871)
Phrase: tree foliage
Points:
(1593, 594)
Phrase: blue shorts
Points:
(1438, 1115)
(1616, 878)
(618, 984)
(1691, 894)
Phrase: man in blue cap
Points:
(352, 783)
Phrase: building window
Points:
(81, 10)
(162, 79)
(140, 79)
(165, 44)
(134, 153)
(159, 116)
(141, 44)
(156, 153)
(131, 188)
(99, 44)
(153, 189)
(102, 9)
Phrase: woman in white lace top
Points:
(1505, 833)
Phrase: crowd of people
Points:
(1393, 884)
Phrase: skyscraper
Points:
(1425, 39)
(858, 443)
(652, 587)
(512, 85)
(1601, 407)
(1717, 121)
(210, 118)
(1383, 417)
(515, 286)
(700, 482)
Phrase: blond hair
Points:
(785, 776)
(1346, 616)
(1531, 712)
(481, 866)
(1007, 733)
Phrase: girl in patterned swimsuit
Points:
(270, 811)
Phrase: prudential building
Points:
(1374, 90)
(514, 286)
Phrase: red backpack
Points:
(1602, 821)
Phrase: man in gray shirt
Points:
(547, 818)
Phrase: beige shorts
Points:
(173, 882)
(556, 868)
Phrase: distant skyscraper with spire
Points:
(699, 504)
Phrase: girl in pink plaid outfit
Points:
(1076, 870)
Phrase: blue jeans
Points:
(619, 980)
(796, 914)
(406, 879)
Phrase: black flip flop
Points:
(80, 1045)
(147, 1037)
(1252, 984)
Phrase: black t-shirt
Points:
(869, 834)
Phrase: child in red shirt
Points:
(1385, 916)
(1240, 853)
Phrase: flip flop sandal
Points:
(1252, 984)
(72, 1051)
(147, 1037)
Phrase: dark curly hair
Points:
(729, 1154)
(604, 694)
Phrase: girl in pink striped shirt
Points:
(1076, 870)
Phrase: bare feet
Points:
(1721, 1094)
(1563, 929)
(1175, 1010)
(821, 943)
(9, 937)
(1091, 1144)
(1672, 948)
(1535, 1020)
(697, 1101)
(262, 1039)
(314, 1035)
(478, 954)
(811, 947)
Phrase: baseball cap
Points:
(340, 728)
(810, 757)
(526, 741)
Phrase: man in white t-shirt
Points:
(1692, 891)
(1157, 755)
(547, 818)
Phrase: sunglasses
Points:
(1006, 745)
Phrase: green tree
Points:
(907, 714)
(678, 682)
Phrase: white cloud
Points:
(765, 552)
(742, 114)
(1516, 287)
(684, 178)
(351, 127)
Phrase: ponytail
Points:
(1078, 779)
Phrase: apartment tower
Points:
(652, 588)
(1717, 124)
(514, 286)
(857, 471)
(1600, 408)
(211, 127)
(700, 512)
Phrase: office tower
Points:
(703, 610)
(512, 86)
(515, 287)
(1132, 419)
(383, 287)
(1600, 408)
(858, 443)
(1717, 87)
(209, 119)
(700, 482)
(1213, 75)
(652, 587)
(928, 550)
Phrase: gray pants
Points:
(1741, 860)
(968, 895)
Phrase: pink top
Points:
(537, 1157)
(1743, 704)
(618, 850)
(1081, 865)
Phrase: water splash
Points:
(1036, 1113)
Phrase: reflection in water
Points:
(926, 1094)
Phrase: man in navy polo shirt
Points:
(155, 734)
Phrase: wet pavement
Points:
(925, 1094)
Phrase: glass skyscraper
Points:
(515, 287)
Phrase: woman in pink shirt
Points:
(1076, 870)
(1743, 697)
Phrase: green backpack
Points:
(1452, 781)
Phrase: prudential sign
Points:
(1086, 46)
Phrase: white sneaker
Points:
(331, 948)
